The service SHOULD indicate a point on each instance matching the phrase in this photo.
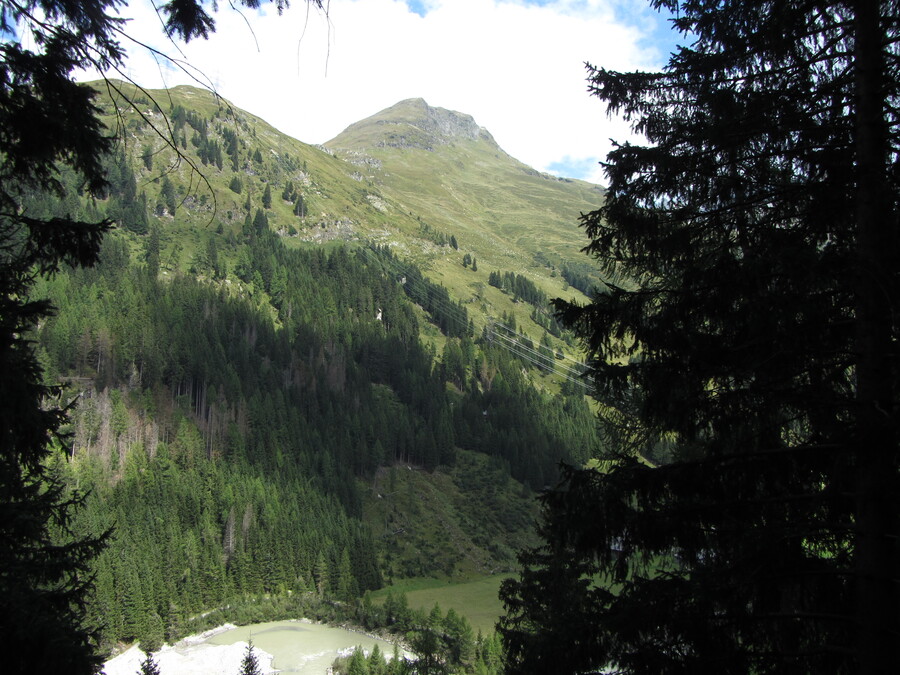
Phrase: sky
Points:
(516, 66)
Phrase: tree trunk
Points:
(875, 546)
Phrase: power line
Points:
(513, 342)
(539, 359)
(522, 350)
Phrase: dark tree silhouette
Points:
(250, 662)
(48, 125)
(149, 666)
(756, 335)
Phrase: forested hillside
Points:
(454, 203)
(236, 392)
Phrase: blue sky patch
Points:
(655, 25)
(9, 35)
(417, 7)
(574, 167)
(420, 6)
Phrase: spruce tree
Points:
(49, 125)
(753, 329)
(149, 666)
(169, 196)
(300, 207)
(357, 665)
(250, 662)
(260, 222)
(43, 584)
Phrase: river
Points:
(297, 648)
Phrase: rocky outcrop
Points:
(414, 124)
(448, 125)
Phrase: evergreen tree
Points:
(169, 195)
(149, 666)
(358, 664)
(260, 222)
(347, 589)
(397, 663)
(376, 661)
(250, 662)
(300, 207)
(152, 251)
(49, 124)
(212, 256)
(42, 113)
(459, 639)
(322, 574)
(428, 647)
(267, 197)
(147, 156)
(756, 334)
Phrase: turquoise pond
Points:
(300, 647)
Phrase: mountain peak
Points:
(412, 123)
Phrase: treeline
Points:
(520, 287)
(443, 643)
(581, 276)
(223, 428)
(225, 446)
(548, 321)
(451, 317)
(525, 290)
(541, 356)
(436, 236)
(209, 150)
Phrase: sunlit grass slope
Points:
(411, 178)
(477, 600)
(450, 174)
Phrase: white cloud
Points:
(516, 67)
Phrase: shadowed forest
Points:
(242, 384)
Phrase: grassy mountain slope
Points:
(265, 157)
(452, 174)
(412, 178)
(461, 522)
(409, 178)
(440, 167)
(248, 370)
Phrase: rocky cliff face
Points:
(449, 125)
(412, 124)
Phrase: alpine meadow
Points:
(369, 382)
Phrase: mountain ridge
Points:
(442, 204)
(412, 123)
(511, 217)
(270, 413)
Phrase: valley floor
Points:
(293, 647)
(477, 600)
(190, 656)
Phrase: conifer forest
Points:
(248, 379)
